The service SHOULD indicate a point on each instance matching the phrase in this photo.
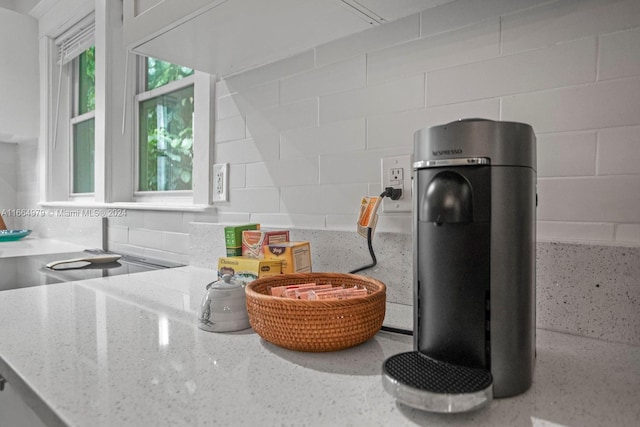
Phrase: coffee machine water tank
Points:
(473, 266)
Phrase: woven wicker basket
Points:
(316, 326)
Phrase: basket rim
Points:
(250, 292)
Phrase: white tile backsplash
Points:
(226, 107)
(566, 20)
(327, 199)
(337, 137)
(291, 221)
(281, 118)
(165, 221)
(231, 128)
(589, 106)
(304, 135)
(338, 168)
(118, 234)
(574, 231)
(619, 54)
(237, 175)
(175, 242)
(569, 68)
(253, 99)
(573, 63)
(145, 238)
(336, 77)
(247, 150)
(9, 182)
(470, 44)
(610, 199)
(280, 173)
(628, 233)
(270, 72)
(619, 151)
(397, 129)
(399, 95)
(567, 154)
(462, 13)
(252, 200)
(232, 218)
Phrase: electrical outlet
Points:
(221, 182)
(396, 173)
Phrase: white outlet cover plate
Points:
(389, 164)
(221, 182)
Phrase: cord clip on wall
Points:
(369, 218)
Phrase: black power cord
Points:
(393, 194)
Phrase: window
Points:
(165, 127)
(141, 143)
(83, 123)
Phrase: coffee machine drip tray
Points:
(424, 383)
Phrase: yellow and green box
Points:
(245, 269)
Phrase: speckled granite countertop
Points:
(33, 245)
(126, 350)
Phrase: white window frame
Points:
(112, 187)
(75, 118)
(145, 96)
(60, 50)
(202, 139)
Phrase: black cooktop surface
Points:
(27, 271)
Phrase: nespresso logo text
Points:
(446, 152)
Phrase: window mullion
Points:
(83, 117)
(168, 88)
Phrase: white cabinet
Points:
(228, 36)
(14, 411)
(146, 19)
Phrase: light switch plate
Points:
(396, 173)
(221, 182)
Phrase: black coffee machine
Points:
(474, 190)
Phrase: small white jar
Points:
(223, 307)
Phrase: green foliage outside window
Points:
(166, 131)
(166, 160)
(83, 156)
(159, 73)
(84, 131)
(87, 81)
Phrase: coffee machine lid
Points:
(424, 383)
(476, 141)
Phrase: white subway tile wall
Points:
(28, 176)
(155, 234)
(8, 181)
(305, 135)
(461, 13)
(565, 20)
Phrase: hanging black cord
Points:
(393, 194)
(373, 255)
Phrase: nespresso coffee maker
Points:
(474, 190)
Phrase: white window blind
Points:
(76, 40)
(70, 45)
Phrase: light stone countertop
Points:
(32, 245)
(126, 351)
